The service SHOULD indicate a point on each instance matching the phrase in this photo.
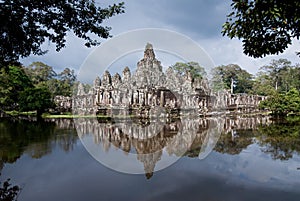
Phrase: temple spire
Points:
(149, 53)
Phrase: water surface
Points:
(252, 159)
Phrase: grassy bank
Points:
(69, 115)
(15, 113)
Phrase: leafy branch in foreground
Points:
(8, 192)
(265, 27)
(26, 25)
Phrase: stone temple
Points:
(151, 91)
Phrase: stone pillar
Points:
(162, 98)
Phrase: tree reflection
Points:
(33, 137)
(179, 137)
(235, 141)
(17, 135)
(281, 139)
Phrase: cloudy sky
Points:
(200, 20)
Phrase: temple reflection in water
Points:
(149, 140)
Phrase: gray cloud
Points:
(199, 18)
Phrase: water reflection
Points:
(34, 138)
(281, 139)
(151, 142)
(253, 159)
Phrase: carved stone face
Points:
(126, 74)
(97, 82)
(106, 79)
(149, 53)
(116, 80)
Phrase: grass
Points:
(71, 116)
(18, 113)
(67, 115)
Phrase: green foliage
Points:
(38, 99)
(40, 72)
(34, 87)
(280, 75)
(282, 104)
(278, 71)
(275, 103)
(281, 138)
(66, 82)
(232, 77)
(190, 67)
(229, 144)
(35, 138)
(262, 85)
(265, 27)
(13, 80)
(293, 101)
(26, 25)
(43, 75)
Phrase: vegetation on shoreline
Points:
(33, 88)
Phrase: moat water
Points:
(211, 159)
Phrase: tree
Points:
(276, 70)
(192, 67)
(13, 81)
(282, 104)
(276, 104)
(265, 27)
(26, 25)
(67, 79)
(38, 99)
(263, 84)
(280, 75)
(293, 101)
(295, 77)
(68, 76)
(40, 73)
(244, 82)
(43, 75)
(232, 77)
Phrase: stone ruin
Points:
(150, 91)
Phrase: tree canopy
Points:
(281, 104)
(277, 71)
(13, 80)
(192, 67)
(265, 27)
(26, 25)
(232, 77)
(38, 98)
(33, 88)
(280, 75)
(43, 75)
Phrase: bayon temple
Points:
(151, 91)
